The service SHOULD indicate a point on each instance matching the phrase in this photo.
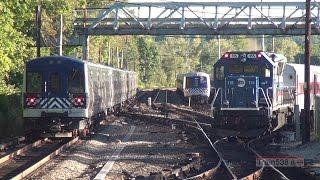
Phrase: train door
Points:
(55, 83)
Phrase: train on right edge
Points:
(258, 90)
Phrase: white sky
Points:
(276, 12)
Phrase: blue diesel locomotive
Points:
(64, 96)
(249, 91)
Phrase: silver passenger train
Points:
(65, 96)
(194, 85)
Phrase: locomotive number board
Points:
(250, 56)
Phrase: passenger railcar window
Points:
(219, 71)
(34, 82)
(76, 81)
(54, 82)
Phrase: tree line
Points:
(157, 59)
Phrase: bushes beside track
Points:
(10, 115)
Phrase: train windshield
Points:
(76, 81)
(34, 82)
(235, 69)
(55, 82)
(247, 69)
(196, 82)
(250, 69)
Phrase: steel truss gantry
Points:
(197, 18)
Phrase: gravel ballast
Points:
(150, 148)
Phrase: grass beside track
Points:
(10, 115)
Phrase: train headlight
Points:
(79, 101)
(259, 55)
(31, 101)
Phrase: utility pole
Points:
(109, 54)
(38, 29)
(272, 44)
(219, 47)
(307, 50)
(61, 35)
(121, 62)
(86, 47)
(262, 40)
(99, 58)
(118, 58)
(86, 42)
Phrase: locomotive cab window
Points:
(34, 82)
(265, 72)
(54, 82)
(76, 81)
(219, 72)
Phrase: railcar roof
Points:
(44, 61)
(271, 57)
(194, 74)
(299, 68)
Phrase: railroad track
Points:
(10, 143)
(238, 159)
(24, 161)
(199, 168)
(235, 157)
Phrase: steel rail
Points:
(11, 142)
(264, 160)
(13, 154)
(26, 172)
(218, 153)
(182, 123)
(252, 175)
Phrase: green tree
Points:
(13, 48)
(148, 59)
(288, 48)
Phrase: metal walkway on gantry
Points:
(197, 18)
